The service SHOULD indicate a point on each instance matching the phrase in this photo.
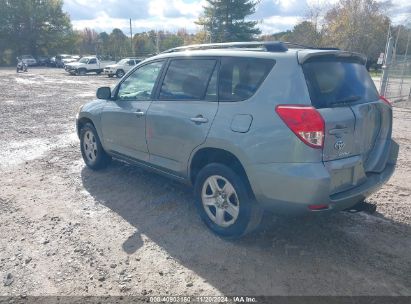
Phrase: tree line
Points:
(41, 27)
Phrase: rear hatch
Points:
(357, 122)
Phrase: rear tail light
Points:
(385, 100)
(305, 121)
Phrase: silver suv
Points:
(251, 126)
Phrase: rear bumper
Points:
(290, 188)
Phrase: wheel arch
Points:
(208, 155)
(81, 122)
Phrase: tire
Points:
(98, 72)
(231, 215)
(91, 149)
(120, 73)
(81, 72)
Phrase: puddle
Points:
(89, 94)
(26, 81)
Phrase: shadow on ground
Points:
(341, 254)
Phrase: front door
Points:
(179, 119)
(123, 119)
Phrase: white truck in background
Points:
(89, 64)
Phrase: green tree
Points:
(357, 25)
(144, 44)
(119, 44)
(33, 26)
(171, 41)
(225, 20)
(103, 44)
(304, 33)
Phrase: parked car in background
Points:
(60, 60)
(43, 60)
(90, 64)
(122, 67)
(28, 59)
(52, 62)
(251, 126)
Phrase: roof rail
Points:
(269, 46)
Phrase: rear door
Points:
(357, 122)
(179, 119)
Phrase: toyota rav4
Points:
(251, 126)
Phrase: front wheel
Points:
(91, 149)
(81, 72)
(120, 73)
(223, 202)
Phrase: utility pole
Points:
(131, 39)
(157, 43)
(404, 65)
(387, 62)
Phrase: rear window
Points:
(240, 78)
(336, 82)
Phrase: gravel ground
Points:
(65, 230)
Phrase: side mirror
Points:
(104, 93)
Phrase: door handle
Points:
(139, 113)
(199, 119)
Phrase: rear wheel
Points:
(91, 149)
(224, 203)
(81, 72)
(120, 73)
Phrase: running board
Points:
(362, 207)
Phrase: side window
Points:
(187, 79)
(140, 84)
(240, 78)
(92, 61)
(131, 62)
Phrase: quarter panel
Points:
(268, 139)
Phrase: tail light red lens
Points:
(385, 100)
(305, 121)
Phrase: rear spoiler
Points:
(305, 55)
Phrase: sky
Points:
(171, 15)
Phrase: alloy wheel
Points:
(220, 201)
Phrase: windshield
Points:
(27, 57)
(123, 61)
(334, 82)
(83, 60)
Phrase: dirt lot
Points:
(65, 230)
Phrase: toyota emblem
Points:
(339, 145)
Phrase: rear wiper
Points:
(346, 100)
